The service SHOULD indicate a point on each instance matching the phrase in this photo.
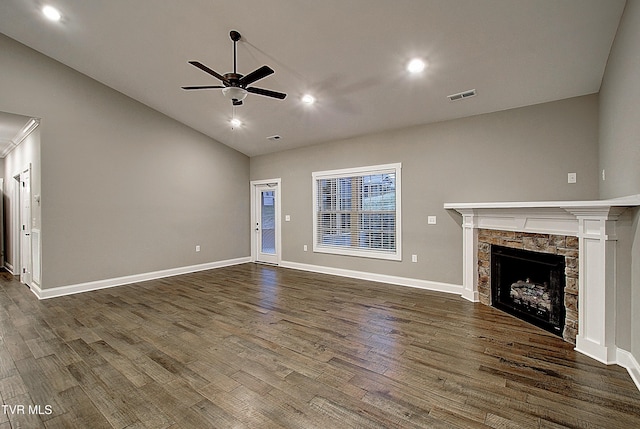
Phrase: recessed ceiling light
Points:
(416, 65)
(51, 13)
(308, 99)
(235, 122)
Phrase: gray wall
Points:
(514, 155)
(620, 158)
(125, 189)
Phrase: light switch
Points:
(287, 218)
(571, 178)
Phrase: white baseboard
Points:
(382, 278)
(119, 281)
(608, 355)
(36, 290)
(469, 295)
(9, 268)
(627, 360)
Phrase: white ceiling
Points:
(350, 54)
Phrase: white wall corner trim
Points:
(381, 278)
(120, 281)
(626, 360)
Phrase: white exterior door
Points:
(266, 222)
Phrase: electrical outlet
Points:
(287, 218)
(572, 177)
(414, 258)
(603, 175)
(431, 220)
(197, 248)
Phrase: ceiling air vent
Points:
(274, 138)
(462, 95)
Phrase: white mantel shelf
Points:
(595, 225)
(630, 201)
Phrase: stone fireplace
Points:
(584, 232)
(531, 276)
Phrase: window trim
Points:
(360, 171)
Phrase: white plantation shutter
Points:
(357, 211)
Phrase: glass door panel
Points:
(268, 222)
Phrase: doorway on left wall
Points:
(20, 203)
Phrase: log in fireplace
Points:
(529, 285)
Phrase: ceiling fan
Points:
(235, 86)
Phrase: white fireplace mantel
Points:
(595, 225)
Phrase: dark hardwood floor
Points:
(255, 346)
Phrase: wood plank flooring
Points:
(255, 346)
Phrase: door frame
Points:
(275, 185)
(24, 224)
(13, 265)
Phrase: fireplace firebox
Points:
(529, 285)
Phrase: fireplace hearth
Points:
(529, 285)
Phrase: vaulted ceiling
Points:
(350, 54)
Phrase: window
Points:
(357, 212)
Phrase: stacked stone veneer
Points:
(544, 243)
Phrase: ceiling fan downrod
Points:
(235, 36)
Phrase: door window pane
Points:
(268, 222)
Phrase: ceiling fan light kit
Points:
(235, 86)
(235, 94)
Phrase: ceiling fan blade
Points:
(256, 75)
(208, 70)
(267, 93)
(203, 87)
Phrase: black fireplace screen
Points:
(529, 285)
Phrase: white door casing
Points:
(265, 210)
(25, 265)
